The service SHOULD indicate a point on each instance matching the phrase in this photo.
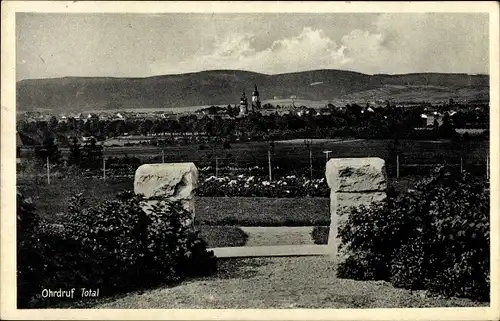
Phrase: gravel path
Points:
(287, 282)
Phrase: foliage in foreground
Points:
(434, 238)
(115, 247)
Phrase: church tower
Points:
(243, 105)
(255, 99)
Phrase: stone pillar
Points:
(171, 181)
(352, 182)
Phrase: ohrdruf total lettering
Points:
(90, 293)
(59, 293)
(70, 293)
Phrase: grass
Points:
(320, 234)
(217, 218)
(53, 199)
(262, 211)
(245, 211)
(287, 282)
(223, 236)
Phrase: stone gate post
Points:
(170, 181)
(352, 182)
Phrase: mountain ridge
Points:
(258, 73)
(222, 87)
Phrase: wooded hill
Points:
(222, 87)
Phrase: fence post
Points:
(269, 161)
(48, 171)
(461, 165)
(162, 156)
(310, 163)
(216, 166)
(103, 168)
(397, 166)
(327, 152)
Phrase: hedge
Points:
(434, 238)
(114, 246)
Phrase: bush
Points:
(434, 238)
(28, 250)
(115, 246)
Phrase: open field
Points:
(317, 141)
(216, 211)
(217, 218)
(299, 102)
(174, 110)
(412, 153)
(432, 94)
(261, 211)
(51, 200)
(288, 282)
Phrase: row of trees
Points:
(87, 156)
(356, 120)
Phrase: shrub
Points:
(28, 250)
(435, 237)
(114, 246)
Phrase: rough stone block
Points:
(356, 174)
(173, 181)
(353, 182)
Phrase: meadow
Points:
(416, 157)
(218, 217)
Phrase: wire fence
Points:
(274, 166)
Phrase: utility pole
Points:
(461, 164)
(48, 171)
(308, 143)
(269, 152)
(103, 168)
(310, 163)
(269, 161)
(216, 166)
(162, 156)
(397, 165)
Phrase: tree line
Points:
(354, 120)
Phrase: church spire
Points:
(255, 99)
(243, 104)
(255, 92)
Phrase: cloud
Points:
(396, 43)
(407, 43)
(236, 51)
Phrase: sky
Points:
(50, 45)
